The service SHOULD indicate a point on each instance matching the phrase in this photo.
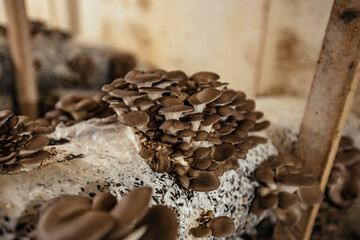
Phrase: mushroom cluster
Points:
(286, 187)
(77, 217)
(344, 182)
(192, 128)
(217, 226)
(21, 141)
(75, 108)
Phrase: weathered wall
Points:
(263, 47)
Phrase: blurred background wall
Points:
(263, 47)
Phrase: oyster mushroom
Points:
(209, 121)
(135, 119)
(205, 182)
(173, 126)
(223, 152)
(222, 226)
(153, 93)
(195, 120)
(175, 111)
(186, 135)
(200, 99)
(128, 96)
(142, 79)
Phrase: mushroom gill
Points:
(21, 142)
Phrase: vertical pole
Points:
(330, 98)
(20, 48)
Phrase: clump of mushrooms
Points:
(344, 182)
(75, 108)
(21, 141)
(193, 128)
(103, 217)
(286, 187)
(216, 226)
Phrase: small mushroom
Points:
(223, 152)
(204, 77)
(222, 226)
(200, 99)
(186, 135)
(205, 182)
(142, 79)
(128, 96)
(226, 97)
(269, 201)
(173, 126)
(209, 121)
(201, 232)
(161, 224)
(287, 200)
(143, 103)
(195, 120)
(135, 119)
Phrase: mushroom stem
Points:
(206, 128)
(154, 96)
(195, 125)
(199, 108)
(186, 139)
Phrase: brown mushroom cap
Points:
(205, 96)
(205, 182)
(310, 195)
(210, 119)
(137, 77)
(161, 224)
(295, 179)
(201, 135)
(196, 117)
(103, 201)
(169, 101)
(226, 97)
(143, 102)
(223, 152)
(79, 224)
(287, 200)
(176, 75)
(152, 90)
(131, 206)
(120, 93)
(269, 201)
(205, 76)
(348, 157)
(147, 153)
(222, 226)
(201, 232)
(37, 142)
(175, 111)
(225, 111)
(201, 152)
(135, 119)
(265, 175)
(186, 133)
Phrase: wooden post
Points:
(20, 47)
(330, 98)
